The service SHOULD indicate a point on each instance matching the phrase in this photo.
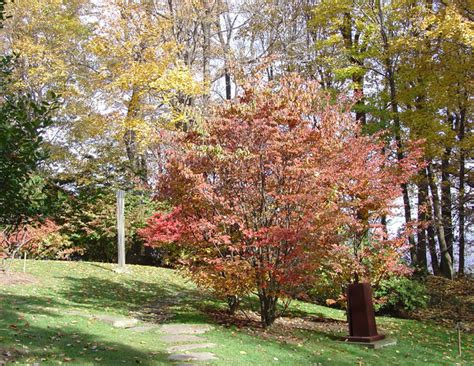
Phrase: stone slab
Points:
(192, 356)
(177, 338)
(376, 344)
(117, 322)
(185, 328)
(143, 328)
(189, 347)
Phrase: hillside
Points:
(63, 315)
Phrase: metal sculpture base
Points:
(386, 342)
(361, 315)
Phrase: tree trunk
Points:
(421, 244)
(446, 260)
(390, 76)
(383, 222)
(431, 238)
(461, 197)
(268, 306)
(351, 43)
(446, 204)
(228, 85)
(206, 45)
(137, 161)
(234, 302)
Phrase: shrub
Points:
(54, 245)
(451, 301)
(400, 295)
(41, 240)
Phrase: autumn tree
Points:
(410, 59)
(137, 66)
(41, 240)
(272, 185)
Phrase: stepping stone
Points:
(143, 328)
(117, 322)
(185, 328)
(177, 338)
(189, 347)
(193, 356)
(77, 313)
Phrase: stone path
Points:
(189, 347)
(116, 321)
(183, 338)
(181, 333)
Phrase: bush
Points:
(396, 295)
(399, 295)
(54, 245)
(91, 225)
(281, 177)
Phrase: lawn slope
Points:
(46, 322)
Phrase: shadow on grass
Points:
(169, 301)
(101, 266)
(47, 339)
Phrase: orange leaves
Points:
(281, 181)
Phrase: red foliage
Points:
(282, 177)
(162, 228)
(25, 237)
(39, 239)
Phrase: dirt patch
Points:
(285, 329)
(17, 278)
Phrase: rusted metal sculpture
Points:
(360, 310)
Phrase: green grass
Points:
(37, 321)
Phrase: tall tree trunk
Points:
(446, 260)
(206, 45)
(461, 197)
(228, 84)
(351, 43)
(446, 204)
(137, 160)
(430, 231)
(421, 244)
(390, 76)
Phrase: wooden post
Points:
(121, 228)
(24, 262)
(458, 326)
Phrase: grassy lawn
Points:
(40, 323)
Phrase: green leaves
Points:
(23, 121)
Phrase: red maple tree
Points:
(281, 178)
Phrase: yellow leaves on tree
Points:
(139, 74)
